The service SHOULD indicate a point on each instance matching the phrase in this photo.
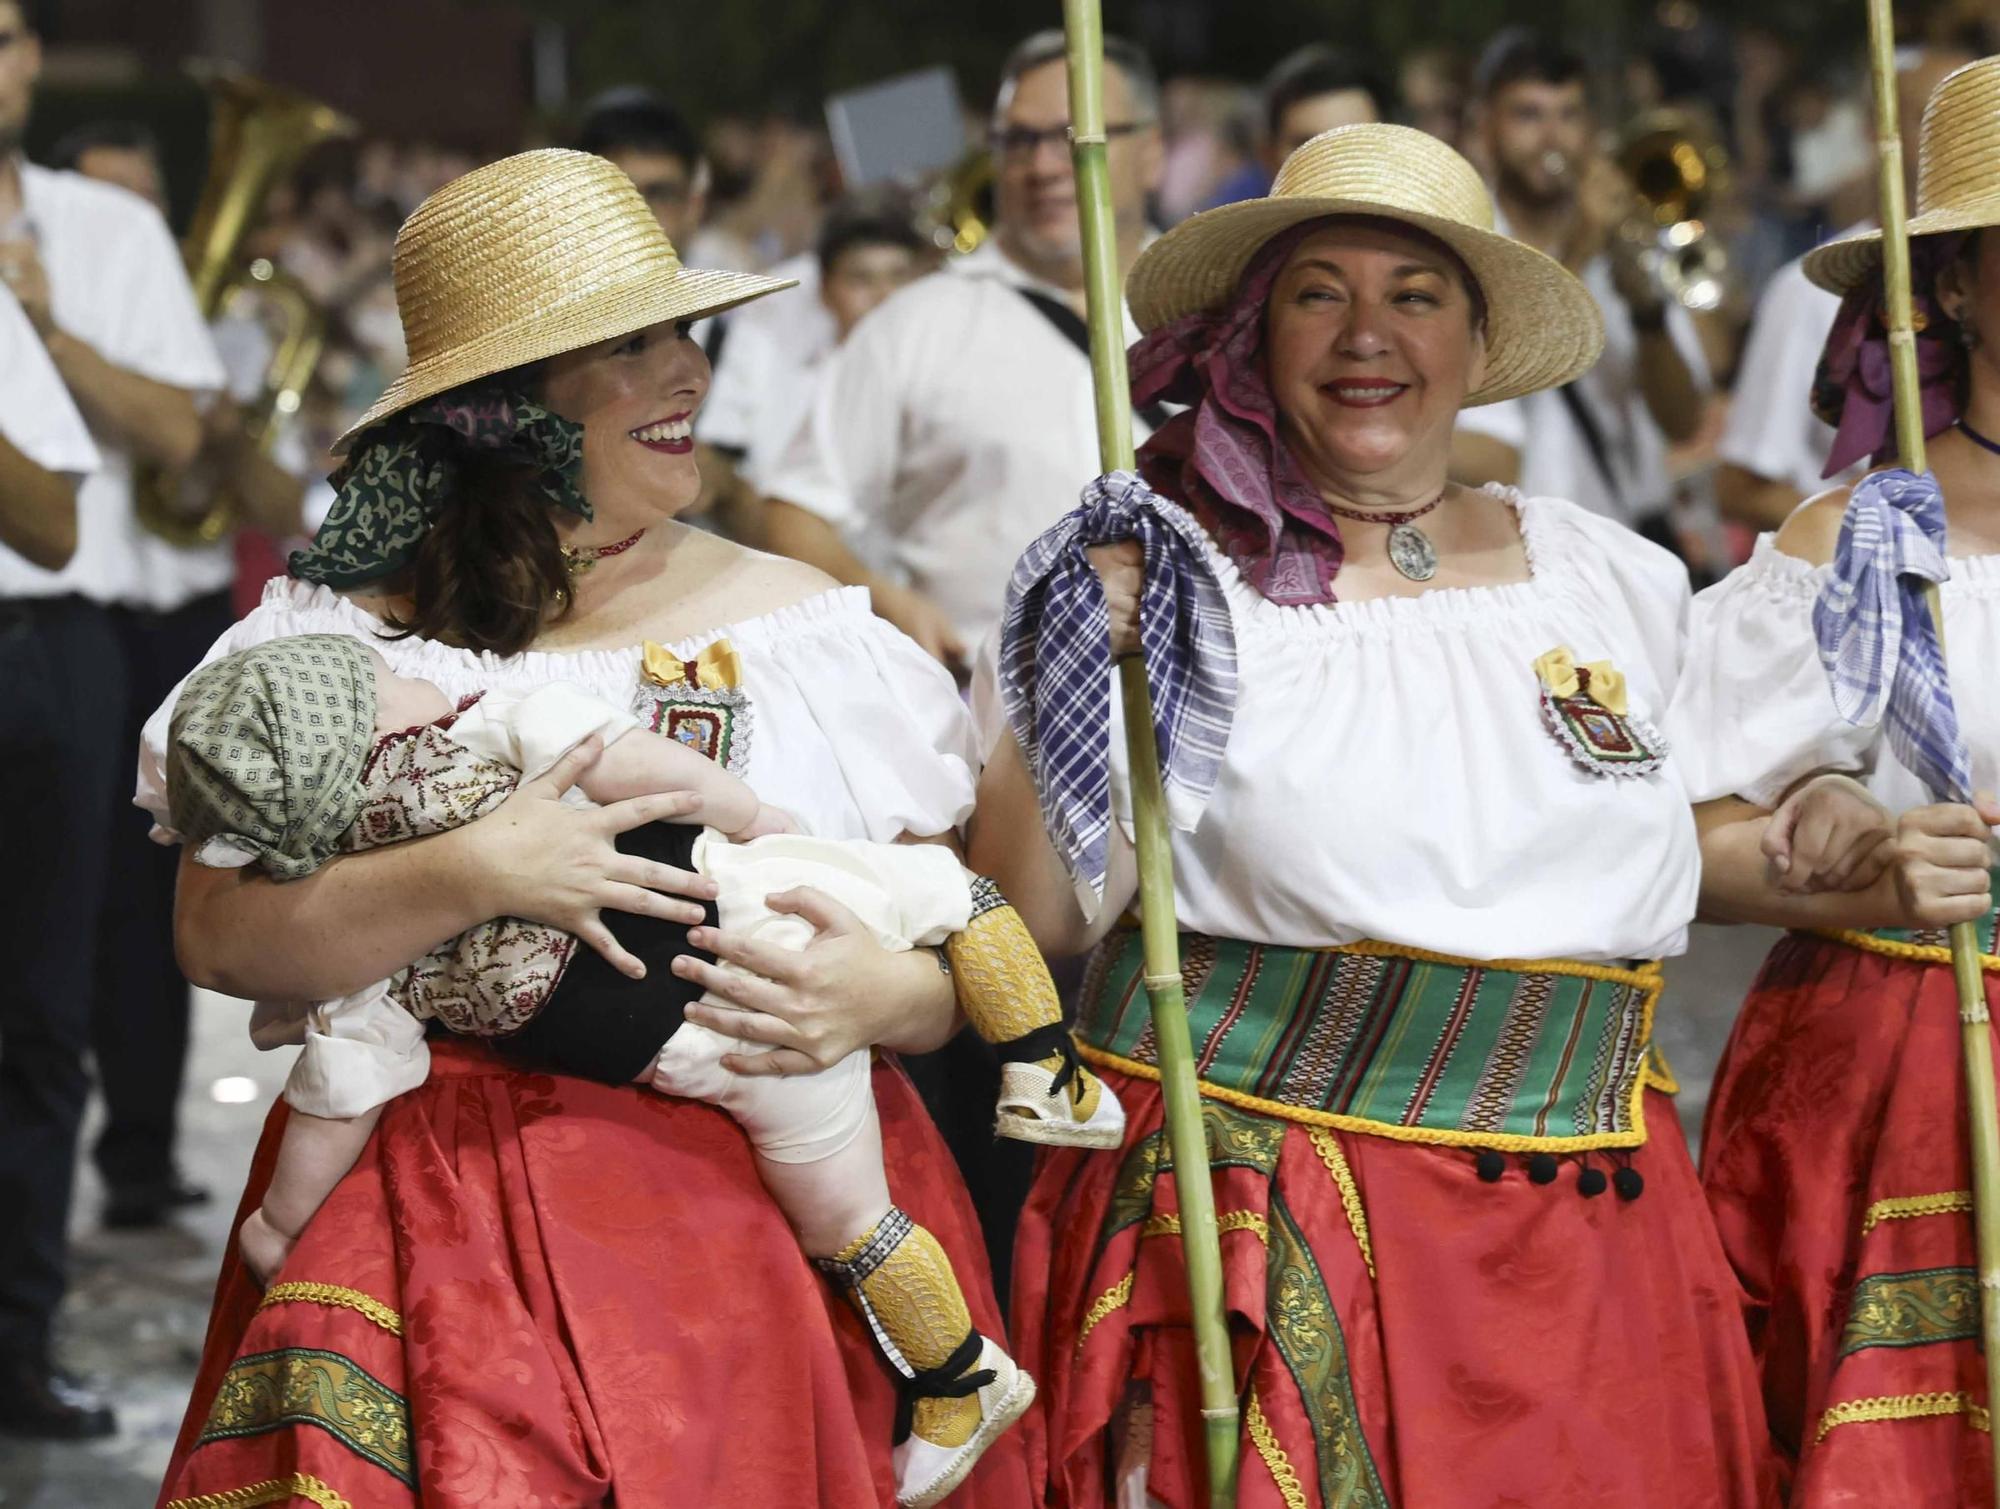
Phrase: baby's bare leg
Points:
(831, 1201)
(313, 1157)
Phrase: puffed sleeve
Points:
(859, 732)
(1753, 713)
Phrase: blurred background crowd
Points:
(1678, 155)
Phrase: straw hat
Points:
(1958, 175)
(1542, 325)
(530, 256)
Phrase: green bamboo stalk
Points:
(1982, 1104)
(1201, 1241)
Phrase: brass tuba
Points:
(1677, 169)
(258, 133)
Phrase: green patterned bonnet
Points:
(266, 750)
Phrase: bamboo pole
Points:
(1201, 1241)
(1975, 1032)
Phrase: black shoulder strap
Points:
(1593, 436)
(1069, 324)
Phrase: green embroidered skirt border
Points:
(1521, 1055)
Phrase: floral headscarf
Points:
(1853, 390)
(390, 488)
(1223, 458)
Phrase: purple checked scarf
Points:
(1055, 666)
(1876, 639)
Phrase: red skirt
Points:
(539, 1291)
(1405, 1333)
(1836, 1162)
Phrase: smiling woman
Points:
(531, 1287)
(1465, 1253)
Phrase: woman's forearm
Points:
(930, 1017)
(1008, 843)
(1736, 882)
(359, 919)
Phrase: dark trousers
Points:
(62, 697)
(139, 1023)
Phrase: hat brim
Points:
(1843, 265)
(600, 315)
(1542, 326)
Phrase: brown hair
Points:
(489, 574)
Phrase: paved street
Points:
(140, 1300)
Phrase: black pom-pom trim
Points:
(1629, 1183)
(1591, 1183)
(1542, 1168)
(1489, 1165)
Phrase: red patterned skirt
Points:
(540, 1291)
(1406, 1334)
(1835, 1159)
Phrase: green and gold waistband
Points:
(1523, 1055)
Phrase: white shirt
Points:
(1389, 774)
(1556, 459)
(958, 423)
(764, 380)
(116, 283)
(1754, 713)
(853, 730)
(36, 414)
(1772, 430)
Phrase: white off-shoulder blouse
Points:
(1753, 713)
(1390, 774)
(853, 729)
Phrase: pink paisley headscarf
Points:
(1852, 389)
(1222, 458)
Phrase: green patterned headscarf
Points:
(390, 488)
(266, 750)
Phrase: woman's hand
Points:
(813, 1006)
(1122, 570)
(1828, 834)
(558, 865)
(1941, 860)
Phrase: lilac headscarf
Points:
(1222, 459)
(1852, 388)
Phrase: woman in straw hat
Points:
(534, 1288)
(1466, 1257)
(1835, 1152)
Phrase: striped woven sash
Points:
(1517, 1054)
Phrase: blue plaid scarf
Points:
(1055, 666)
(1876, 639)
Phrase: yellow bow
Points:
(717, 667)
(1558, 672)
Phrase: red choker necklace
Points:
(580, 558)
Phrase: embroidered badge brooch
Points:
(1585, 708)
(700, 702)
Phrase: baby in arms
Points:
(296, 750)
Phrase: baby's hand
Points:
(768, 820)
(263, 1247)
(1828, 835)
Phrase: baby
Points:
(298, 749)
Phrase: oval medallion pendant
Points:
(1412, 553)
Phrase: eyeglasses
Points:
(1023, 142)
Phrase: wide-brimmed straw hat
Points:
(531, 256)
(1542, 325)
(1958, 175)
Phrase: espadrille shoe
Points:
(1083, 1113)
(949, 1433)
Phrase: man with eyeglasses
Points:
(956, 422)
